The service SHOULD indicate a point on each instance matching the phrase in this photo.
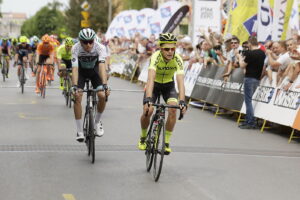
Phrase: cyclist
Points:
(64, 56)
(45, 55)
(5, 50)
(22, 56)
(33, 43)
(88, 61)
(163, 65)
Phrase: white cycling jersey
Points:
(88, 60)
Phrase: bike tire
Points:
(149, 146)
(159, 150)
(4, 68)
(70, 93)
(85, 132)
(43, 90)
(92, 136)
(22, 80)
(66, 92)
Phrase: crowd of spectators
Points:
(282, 57)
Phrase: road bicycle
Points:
(22, 77)
(155, 140)
(43, 79)
(67, 86)
(89, 118)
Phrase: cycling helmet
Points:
(46, 38)
(23, 39)
(167, 38)
(86, 34)
(69, 41)
(4, 39)
(35, 38)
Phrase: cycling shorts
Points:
(42, 59)
(92, 74)
(167, 90)
(68, 63)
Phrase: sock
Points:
(97, 118)
(144, 132)
(79, 125)
(61, 81)
(168, 135)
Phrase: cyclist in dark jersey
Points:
(163, 65)
(21, 57)
(5, 50)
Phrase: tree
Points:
(48, 19)
(98, 15)
(138, 4)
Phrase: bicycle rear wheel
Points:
(91, 135)
(4, 70)
(149, 146)
(159, 150)
(69, 93)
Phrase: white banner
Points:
(275, 104)
(294, 20)
(264, 21)
(206, 14)
(144, 70)
(143, 21)
(130, 23)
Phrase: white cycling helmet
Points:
(87, 34)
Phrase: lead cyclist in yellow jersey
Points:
(163, 65)
(64, 56)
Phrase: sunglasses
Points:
(234, 42)
(168, 49)
(88, 42)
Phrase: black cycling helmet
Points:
(167, 38)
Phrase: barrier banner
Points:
(276, 104)
(232, 96)
(215, 93)
(129, 66)
(118, 63)
(204, 82)
(144, 70)
(190, 77)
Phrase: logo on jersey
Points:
(73, 59)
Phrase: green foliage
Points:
(137, 4)
(98, 15)
(48, 19)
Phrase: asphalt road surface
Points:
(212, 158)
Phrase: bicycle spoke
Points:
(159, 149)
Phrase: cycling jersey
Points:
(23, 50)
(5, 47)
(88, 60)
(45, 49)
(165, 70)
(62, 53)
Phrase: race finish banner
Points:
(176, 19)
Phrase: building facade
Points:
(11, 23)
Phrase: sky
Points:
(30, 7)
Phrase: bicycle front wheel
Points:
(149, 145)
(85, 132)
(92, 136)
(22, 79)
(43, 85)
(159, 150)
(4, 70)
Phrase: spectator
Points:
(253, 62)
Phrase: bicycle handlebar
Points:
(96, 90)
(167, 106)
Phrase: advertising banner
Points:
(190, 77)
(142, 18)
(144, 70)
(206, 14)
(176, 19)
(264, 21)
(282, 13)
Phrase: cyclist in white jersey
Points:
(88, 61)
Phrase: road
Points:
(212, 158)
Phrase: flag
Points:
(242, 19)
(264, 21)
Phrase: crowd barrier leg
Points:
(292, 136)
(239, 118)
(263, 126)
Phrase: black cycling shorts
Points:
(42, 59)
(68, 63)
(92, 74)
(167, 90)
(22, 53)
